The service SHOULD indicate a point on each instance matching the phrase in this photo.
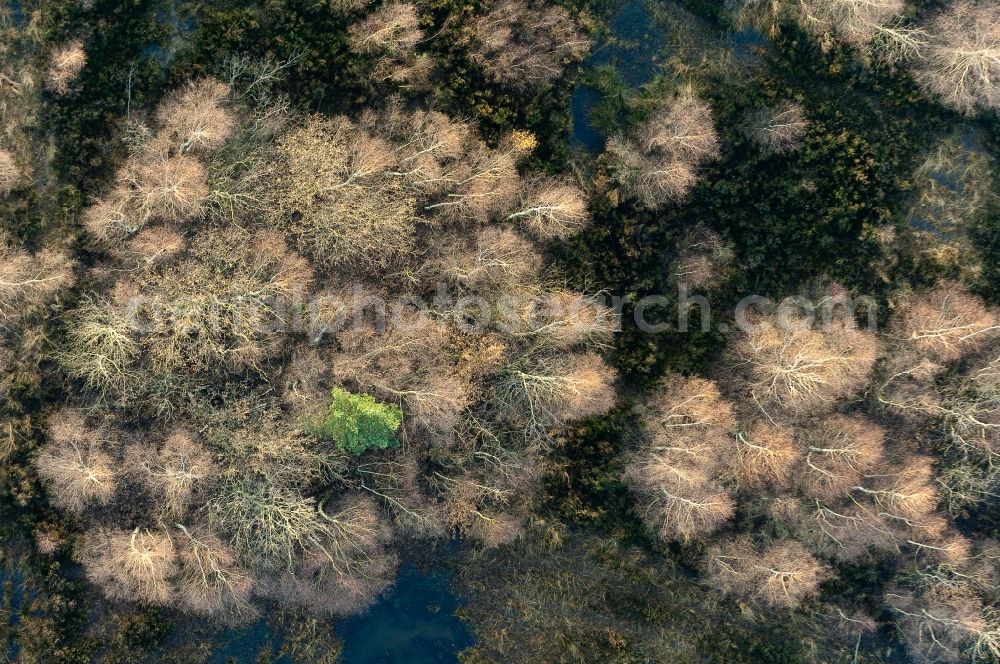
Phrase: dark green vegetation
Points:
(588, 583)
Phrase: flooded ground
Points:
(415, 623)
(644, 40)
(631, 49)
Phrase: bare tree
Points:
(675, 472)
(781, 575)
(550, 209)
(778, 129)
(195, 118)
(167, 188)
(838, 450)
(496, 260)
(221, 309)
(66, 63)
(541, 392)
(789, 365)
(688, 417)
(971, 409)
(678, 501)
(75, 464)
(174, 474)
(28, 281)
(209, 580)
(334, 191)
(523, 44)
(660, 162)
(944, 323)
(428, 142)
(875, 27)
(487, 484)
(557, 319)
(263, 502)
(681, 131)
(944, 619)
(703, 261)
(268, 523)
(907, 496)
(113, 218)
(836, 528)
(397, 484)
(392, 29)
(151, 247)
(409, 364)
(967, 484)
(152, 187)
(163, 180)
(390, 34)
(346, 570)
(764, 455)
(132, 565)
(306, 381)
(100, 348)
(962, 62)
(482, 185)
(223, 306)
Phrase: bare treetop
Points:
(67, 61)
(522, 44)
(659, 163)
(962, 61)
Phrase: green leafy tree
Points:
(357, 423)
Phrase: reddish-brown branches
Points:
(778, 129)
(789, 365)
(333, 190)
(677, 502)
(763, 456)
(75, 463)
(524, 44)
(944, 323)
(209, 580)
(131, 565)
(838, 449)
(703, 260)
(551, 209)
(660, 162)
(28, 281)
(222, 309)
(163, 181)
(962, 62)
(194, 118)
(198, 321)
(781, 575)
(393, 29)
(497, 260)
(541, 392)
(557, 319)
(176, 472)
(67, 62)
(945, 620)
(687, 426)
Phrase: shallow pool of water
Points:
(414, 623)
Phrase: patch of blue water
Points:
(413, 623)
